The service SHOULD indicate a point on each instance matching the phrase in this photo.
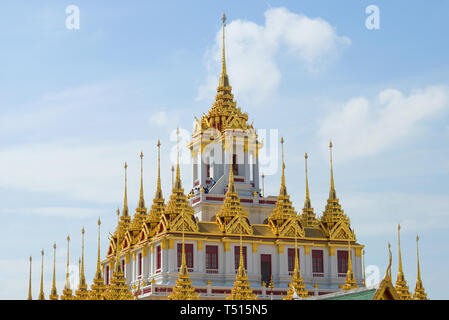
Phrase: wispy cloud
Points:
(252, 51)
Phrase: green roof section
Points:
(361, 295)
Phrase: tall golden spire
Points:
(125, 212)
(141, 199)
(307, 216)
(54, 292)
(224, 80)
(82, 293)
(333, 213)
(232, 209)
(332, 193)
(183, 290)
(117, 288)
(283, 211)
(419, 288)
(178, 208)
(401, 283)
(158, 206)
(141, 211)
(296, 287)
(241, 289)
(29, 284)
(67, 292)
(41, 292)
(350, 282)
(98, 287)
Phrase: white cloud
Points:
(362, 127)
(252, 50)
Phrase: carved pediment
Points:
(238, 226)
(291, 228)
(341, 231)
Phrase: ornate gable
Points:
(341, 231)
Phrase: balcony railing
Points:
(318, 274)
(211, 270)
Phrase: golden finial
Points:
(141, 198)
(307, 203)
(263, 187)
(363, 257)
(224, 80)
(67, 292)
(399, 247)
(401, 283)
(350, 282)
(178, 175)
(98, 253)
(54, 292)
(29, 283)
(332, 193)
(41, 292)
(158, 187)
(283, 165)
(419, 288)
(417, 258)
(82, 293)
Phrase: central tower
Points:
(223, 138)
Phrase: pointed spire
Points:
(401, 283)
(183, 290)
(125, 212)
(158, 206)
(29, 284)
(350, 282)
(283, 210)
(419, 288)
(178, 173)
(54, 292)
(67, 292)
(297, 288)
(82, 293)
(263, 185)
(307, 216)
(307, 201)
(141, 199)
(332, 193)
(41, 292)
(158, 184)
(98, 287)
(224, 80)
(241, 289)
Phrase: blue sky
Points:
(76, 104)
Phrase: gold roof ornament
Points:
(420, 294)
(98, 287)
(335, 221)
(296, 286)
(54, 291)
(141, 211)
(67, 292)
(284, 220)
(117, 288)
(224, 114)
(29, 284)
(386, 290)
(41, 292)
(183, 290)
(241, 289)
(228, 216)
(350, 282)
(172, 219)
(307, 217)
(401, 283)
(82, 292)
(263, 185)
(158, 206)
